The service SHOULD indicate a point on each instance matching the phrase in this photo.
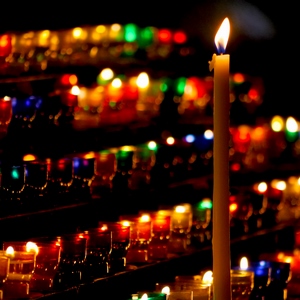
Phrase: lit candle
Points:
(221, 226)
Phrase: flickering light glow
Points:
(244, 263)
(68, 79)
(190, 138)
(107, 74)
(262, 187)
(10, 250)
(144, 297)
(32, 247)
(165, 36)
(180, 209)
(238, 78)
(166, 290)
(130, 32)
(233, 207)
(75, 90)
(29, 157)
(278, 184)
(101, 28)
(125, 223)
(142, 80)
(208, 134)
(179, 37)
(116, 83)
(145, 218)
(206, 203)
(207, 277)
(152, 145)
(291, 125)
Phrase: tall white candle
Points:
(221, 223)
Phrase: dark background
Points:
(263, 39)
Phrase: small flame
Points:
(125, 223)
(10, 250)
(166, 290)
(32, 247)
(180, 209)
(207, 277)
(145, 218)
(144, 297)
(222, 36)
(75, 90)
(244, 263)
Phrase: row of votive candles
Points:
(71, 259)
(134, 165)
(265, 280)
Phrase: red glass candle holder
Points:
(140, 237)
(143, 161)
(120, 245)
(60, 179)
(5, 114)
(105, 170)
(4, 267)
(99, 248)
(72, 263)
(161, 231)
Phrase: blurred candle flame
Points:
(207, 277)
(244, 263)
(166, 290)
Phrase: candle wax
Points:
(221, 223)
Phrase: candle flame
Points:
(207, 277)
(180, 209)
(145, 218)
(32, 247)
(166, 290)
(144, 297)
(10, 250)
(222, 36)
(244, 263)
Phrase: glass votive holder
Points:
(46, 270)
(60, 179)
(242, 283)
(143, 161)
(175, 290)
(5, 114)
(120, 245)
(72, 261)
(99, 248)
(140, 237)
(46, 266)
(105, 170)
(21, 268)
(262, 272)
(4, 268)
(161, 231)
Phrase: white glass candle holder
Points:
(242, 283)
